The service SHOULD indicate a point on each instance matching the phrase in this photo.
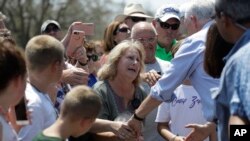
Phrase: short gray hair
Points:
(238, 10)
(202, 9)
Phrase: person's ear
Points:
(225, 20)
(85, 122)
(55, 66)
(194, 21)
(154, 22)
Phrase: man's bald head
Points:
(141, 27)
(145, 33)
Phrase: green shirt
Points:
(162, 54)
(42, 137)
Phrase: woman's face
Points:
(122, 33)
(93, 62)
(166, 35)
(129, 64)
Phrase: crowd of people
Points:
(180, 75)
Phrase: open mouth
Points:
(132, 69)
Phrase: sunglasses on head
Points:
(165, 25)
(92, 57)
(124, 30)
(137, 19)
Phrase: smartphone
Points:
(88, 28)
(21, 112)
(76, 41)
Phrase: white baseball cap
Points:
(48, 22)
(167, 12)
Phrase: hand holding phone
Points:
(76, 40)
(88, 28)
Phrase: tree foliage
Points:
(25, 17)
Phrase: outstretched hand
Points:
(200, 131)
(151, 77)
(122, 130)
(136, 126)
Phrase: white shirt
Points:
(8, 133)
(43, 113)
(185, 109)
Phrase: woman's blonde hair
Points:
(109, 69)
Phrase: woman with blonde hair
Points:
(119, 82)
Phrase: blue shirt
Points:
(92, 80)
(233, 96)
(188, 64)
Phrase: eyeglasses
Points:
(146, 40)
(165, 25)
(124, 30)
(92, 57)
(51, 28)
(137, 19)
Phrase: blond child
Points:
(45, 64)
(78, 112)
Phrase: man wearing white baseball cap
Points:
(133, 13)
(52, 28)
(166, 23)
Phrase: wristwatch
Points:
(137, 118)
(82, 64)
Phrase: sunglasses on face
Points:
(92, 57)
(124, 30)
(165, 25)
(137, 19)
(51, 28)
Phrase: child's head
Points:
(12, 71)
(81, 106)
(43, 51)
